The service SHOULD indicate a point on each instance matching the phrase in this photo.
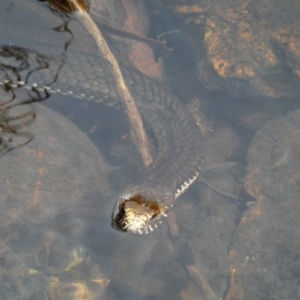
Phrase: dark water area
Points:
(64, 162)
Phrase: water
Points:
(57, 242)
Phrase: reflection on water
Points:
(57, 189)
(13, 124)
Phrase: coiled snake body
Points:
(179, 149)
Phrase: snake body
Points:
(179, 148)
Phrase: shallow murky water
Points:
(60, 182)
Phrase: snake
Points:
(143, 204)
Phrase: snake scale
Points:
(179, 148)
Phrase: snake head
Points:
(141, 210)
